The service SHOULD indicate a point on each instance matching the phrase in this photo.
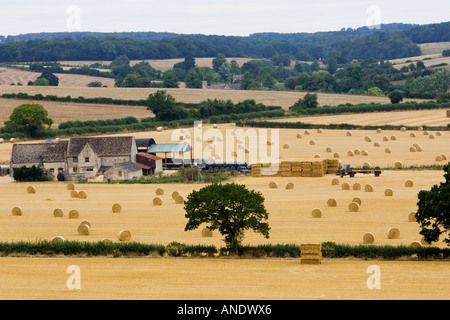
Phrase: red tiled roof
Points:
(149, 156)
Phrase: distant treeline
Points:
(358, 44)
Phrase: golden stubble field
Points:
(290, 220)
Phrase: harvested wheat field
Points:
(284, 99)
(8, 76)
(63, 111)
(220, 279)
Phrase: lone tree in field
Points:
(433, 214)
(230, 208)
(396, 96)
(29, 119)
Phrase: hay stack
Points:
(317, 156)
(349, 134)
(350, 153)
(412, 217)
(368, 138)
(335, 182)
(31, 189)
(299, 136)
(412, 149)
(310, 253)
(307, 132)
(329, 150)
(206, 233)
(319, 130)
(82, 195)
(420, 128)
(270, 142)
(74, 214)
(388, 192)
(12, 140)
(357, 152)
(368, 238)
(337, 155)
(353, 207)
(438, 158)
(356, 186)
(426, 133)
(365, 153)
(58, 212)
(367, 165)
(215, 125)
(379, 130)
(398, 164)
(357, 200)
(332, 202)
(412, 135)
(312, 143)
(70, 186)
(393, 233)
(84, 229)
(74, 193)
(393, 138)
(403, 129)
(106, 240)
(2, 141)
(159, 129)
(17, 211)
(377, 144)
(409, 184)
(416, 244)
(438, 134)
(368, 188)
(289, 186)
(157, 201)
(273, 185)
(424, 242)
(345, 186)
(286, 146)
(179, 199)
(385, 138)
(86, 222)
(124, 235)
(159, 191)
(418, 148)
(58, 239)
(317, 213)
(116, 208)
(431, 136)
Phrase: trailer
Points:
(346, 170)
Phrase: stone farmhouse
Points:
(114, 158)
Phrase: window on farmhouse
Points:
(86, 159)
(75, 159)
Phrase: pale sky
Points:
(230, 17)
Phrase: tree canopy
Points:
(28, 118)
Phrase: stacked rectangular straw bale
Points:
(311, 253)
(297, 168)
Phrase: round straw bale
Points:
(70, 186)
(174, 194)
(357, 152)
(349, 133)
(350, 153)
(398, 164)
(299, 136)
(319, 130)
(17, 211)
(74, 193)
(289, 185)
(247, 150)
(58, 212)
(418, 148)
(345, 186)
(179, 199)
(424, 242)
(31, 189)
(12, 140)
(273, 185)
(124, 235)
(215, 125)
(116, 208)
(329, 149)
(393, 233)
(393, 138)
(87, 222)
(353, 207)
(2, 141)
(438, 158)
(412, 135)
(444, 157)
(377, 144)
(312, 142)
(157, 201)
(159, 129)
(420, 128)
(385, 138)
(270, 142)
(84, 229)
(160, 191)
(335, 182)
(379, 130)
(365, 153)
(368, 138)
(357, 200)
(368, 188)
(388, 192)
(426, 133)
(409, 184)
(206, 233)
(368, 238)
(317, 156)
(74, 214)
(58, 239)
(106, 240)
(438, 134)
(416, 244)
(82, 195)
(332, 202)
(412, 217)
(431, 136)
(356, 186)
(286, 146)
(307, 132)
(337, 155)
(412, 149)
(366, 165)
(317, 213)
(403, 129)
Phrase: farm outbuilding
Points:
(143, 144)
(149, 163)
(123, 171)
(176, 149)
